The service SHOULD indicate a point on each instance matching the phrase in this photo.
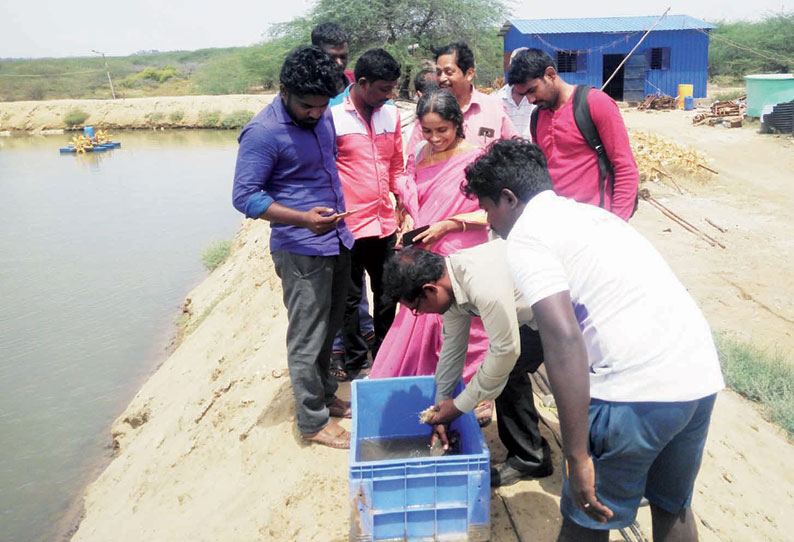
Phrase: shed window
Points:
(571, 61)
(659, 58)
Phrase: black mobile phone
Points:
(408, 237)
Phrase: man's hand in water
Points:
(445, 413)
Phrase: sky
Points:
(58, 28)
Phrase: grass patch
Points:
(759, 376)
(209, 119)
(176, 116)
(215, 254)
(75, 117)
(236, 119)
(155, 118)
(729, 95)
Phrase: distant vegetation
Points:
(760, 376)
(401, 29)
(771, 38)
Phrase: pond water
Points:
(97, 253)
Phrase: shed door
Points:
(634, 79)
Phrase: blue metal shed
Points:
(587, 51)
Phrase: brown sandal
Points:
(331, 435)
(340, 409)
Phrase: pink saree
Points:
(413, 343)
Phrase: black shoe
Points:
(506, 474)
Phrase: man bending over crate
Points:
(630, 357)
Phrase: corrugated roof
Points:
(604, 24)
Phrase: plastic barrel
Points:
(88, 131)
(689, 103)
(683, 92)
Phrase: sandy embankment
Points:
(208, 450)
(163, 111)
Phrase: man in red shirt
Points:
(572, 164)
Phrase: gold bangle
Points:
(464, 225)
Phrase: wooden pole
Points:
(107, 71)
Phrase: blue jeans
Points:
(650, 449)
(315, 290)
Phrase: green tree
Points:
(743, 48)
(262, 63)
(409, 29)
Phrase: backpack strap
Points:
(584, 121)
(533, 125)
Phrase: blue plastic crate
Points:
(415, 499)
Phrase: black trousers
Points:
(517, 418)
(368, 254)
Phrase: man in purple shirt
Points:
(286, 174)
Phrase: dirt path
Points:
(747, 287)
(745, 490)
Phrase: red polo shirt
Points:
(573, 165)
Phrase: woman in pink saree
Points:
(433, 198)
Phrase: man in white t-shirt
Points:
(631, 359)
(516, 104)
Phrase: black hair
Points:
(407, 270)
(528, 65)
(515, 164)
(426, 81)
(307, 70)
(328, 34)
(377, 65)
(444, 103)
(464, 57)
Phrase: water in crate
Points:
(406, 447)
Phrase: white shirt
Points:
(520, 114)
(481, 286)
(646, 338)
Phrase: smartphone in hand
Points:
(341, 215)
(408, 237)
(346, 213)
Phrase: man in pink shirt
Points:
(484, 116)
(573, 165)
(370, 160)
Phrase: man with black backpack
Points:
(581, 132)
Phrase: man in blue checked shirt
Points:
(286, 174)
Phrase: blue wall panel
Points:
(689, 51)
